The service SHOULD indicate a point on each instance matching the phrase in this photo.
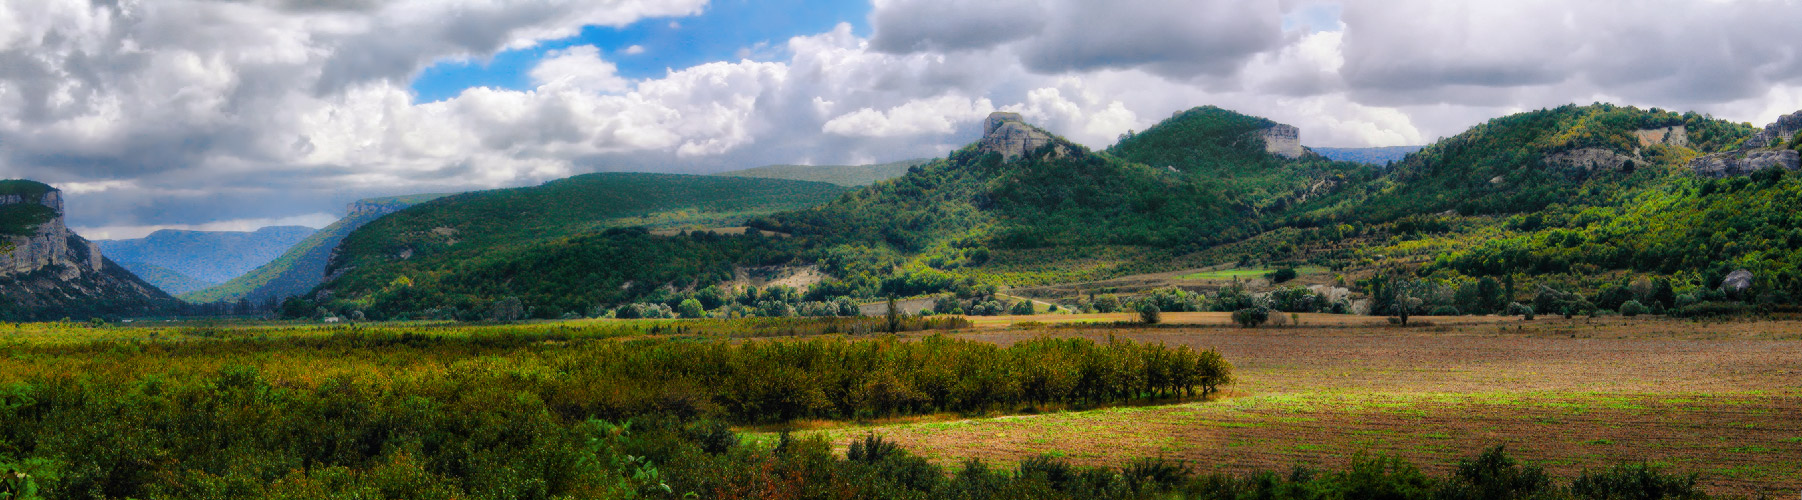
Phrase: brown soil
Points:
(1723, 400)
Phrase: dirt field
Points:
(1723, 400)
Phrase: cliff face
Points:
(1282, 140)
(51, 244)
(53, 273)
(1762, 151)
(1008, 134)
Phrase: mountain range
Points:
(184, 261)
(1582, 198)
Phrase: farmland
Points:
(1716, 399)
(583, 409)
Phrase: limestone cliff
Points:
(1008, 134)
(1763, 151)
(1282, 140)
(49, 272)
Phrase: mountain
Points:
(843, 175)
(1045, 209)
(302, 267)
(49, 272)
(184, 261)
(1371, 156)
(561, 244)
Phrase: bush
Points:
(1518, 309)
(1021, 308)
(1443, 311)
(1711, 310)
(691, 308)
(1149, 314)
(1251, 317)
(1283, 275)
(1633, 308)
(1635, 481)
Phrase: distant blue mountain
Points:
(184, 261)
(1373, 156)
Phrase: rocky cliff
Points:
(48, 272)
(1282, 140)
(1008, 134)
(1763, 151)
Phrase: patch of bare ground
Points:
(1720, 399)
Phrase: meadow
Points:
(1049, 406)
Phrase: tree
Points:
(1022, 308)
(894, 316)
(1489, 294)
(1251, 317)
(1149, 313)
(691, 308)
(507, 309)
(1633, 308)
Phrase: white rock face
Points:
(1282, 140)
(1008, 134)
(52, 244)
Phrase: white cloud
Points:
(634, 50)
(939, 115)
(579, 68)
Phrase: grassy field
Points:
(1718, 399)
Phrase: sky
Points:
(233, 115)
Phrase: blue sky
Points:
(725, 31)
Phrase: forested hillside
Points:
(302, 266)
(551, 244)
(1576, 200)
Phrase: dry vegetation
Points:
(1720, 399)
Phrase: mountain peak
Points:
(1007, 133)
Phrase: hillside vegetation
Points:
(1570, 208)
(302, 267)
(551, 243)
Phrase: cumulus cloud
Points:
(1177, 38)
(939, 115)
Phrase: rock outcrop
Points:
(1745, 163)
(1008, 134)
(1737, 282)
(54, 273)
(1282, 140)
(1676, 135)
(51, 244)
(1590, 160)
(1777, 133)
(1762, 151)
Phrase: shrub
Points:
(1633, 308)
(1711, 310)
(1251, 317)
(691, 308)
(1519, 309)
(1443, 311)
(1021, 308)
(1283, 275)
(1149, 313)
(1635, 481)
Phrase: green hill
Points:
(22, 219)
(299, 269)
(550, 244)
(843, 175)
